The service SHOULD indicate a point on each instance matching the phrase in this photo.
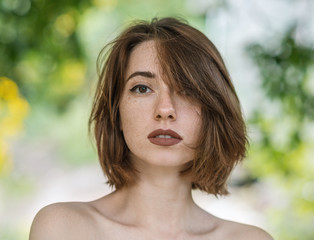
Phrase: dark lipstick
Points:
(164, 137)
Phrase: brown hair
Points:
(190, 63)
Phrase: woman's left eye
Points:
(141, 89)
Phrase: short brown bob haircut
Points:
(191, 63)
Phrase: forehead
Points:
(143, 58)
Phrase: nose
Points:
(165, 109)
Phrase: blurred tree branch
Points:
(284, 146)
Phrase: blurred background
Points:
(48, 52)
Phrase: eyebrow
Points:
(146, 74)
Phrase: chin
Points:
(165, 159)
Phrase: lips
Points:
(164, 137)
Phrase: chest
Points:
(134, 233)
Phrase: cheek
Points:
(195, 121)
(125, 112)
(132, 121)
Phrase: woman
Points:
(166, 119)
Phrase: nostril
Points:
(168, 117)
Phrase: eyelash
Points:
(136, 88)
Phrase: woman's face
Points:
(159, 125)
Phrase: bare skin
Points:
(145, 211)
(159, 205)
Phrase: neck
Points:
(160, 200)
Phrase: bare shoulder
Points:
(245, 232)
(72, 220)
(213, 227)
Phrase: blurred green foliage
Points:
(40, 51)
(283, 146)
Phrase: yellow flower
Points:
(5, 159)
(13, 111)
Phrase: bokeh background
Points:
(48, 52)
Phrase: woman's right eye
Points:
(141, 89)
